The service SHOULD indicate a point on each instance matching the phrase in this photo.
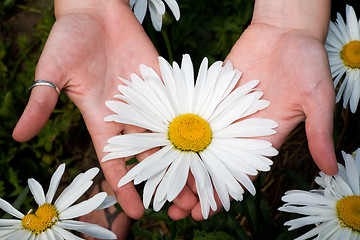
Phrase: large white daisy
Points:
(50, 220)
(156, 8)
(197, 129)
(334, 209)
(343, 48)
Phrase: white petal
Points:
(200, 86)
(308, 210)
(7, 232)
(351, 21)
(156, 17)
(232, 162)
(306, 198)
(9, 222)
(150, 187)
(54, 183)
(84, 207)
(169, 81)
(140, 8)
(174, 8)
(179, 178)
(20, 234)
(232, 112)
(355, 95)
(37, 191)
(130, 115)
(108, 202)
(76, 189)
(47, 235)
(300, 222)
(252, 160)
(161, 164)
(65, 234)
(7, 207)
(252, 127)
(234, 97)
(92, 230)
(352, 173)
(144, 165)
(167, 181)
(189, 82)
(203, 183)
(148, 140)
(158, 204)
(217, 179)
(120, 153)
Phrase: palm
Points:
(295, 78)
(294, 75)
(83, 56)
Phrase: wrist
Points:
(63, 7)
(307, 15)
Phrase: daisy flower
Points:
(343, 48)
(156, 8)
(51, 220)
(196, 127)
(334, 209)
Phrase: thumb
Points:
(41, 103)
(319, 131)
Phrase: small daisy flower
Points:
(156, 8)
(334, 209)
(196, 127)
(51, 220)
(343, 48)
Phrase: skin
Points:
(284, 48)
(90, 45)
(93, 42)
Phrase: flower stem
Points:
(168, 44)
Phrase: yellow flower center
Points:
(44, 218)
(348, 211)
(189, 132)
(350, 54)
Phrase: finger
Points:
(43, 99)
(183, 204)
(41, 103)
(176, 213)
(196, 211)
(115, 169)
(319, 129)
(127, 196)
(186, 200)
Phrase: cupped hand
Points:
(89, 46)
(294, 75)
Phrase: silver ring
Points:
(44, 83)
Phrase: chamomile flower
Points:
(51, 220)
(156, 8)
(343, 48)
(196, 127)
(334, 209)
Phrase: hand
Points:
(90, 45)
(288, 57)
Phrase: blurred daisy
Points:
(343, 48)
(156, 8)
(194, 124)
(49, 221)
(335, 209)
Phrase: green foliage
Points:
(202, 35)
(39, 157)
